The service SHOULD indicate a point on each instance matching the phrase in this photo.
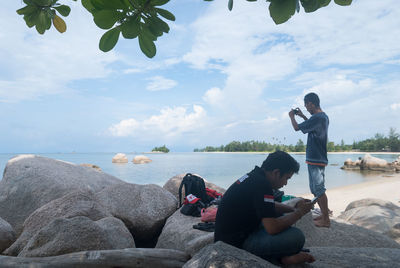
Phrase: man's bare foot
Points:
(298, 258)
(322, 222)
(320, 216)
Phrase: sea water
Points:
(219, 168)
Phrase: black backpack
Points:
(194, 185)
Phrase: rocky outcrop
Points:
(7, 235)
(79, 203)
(394, 232)
(141, 159)
(172, 185)
(120, 158)
(369, 162)
(178, 233)
(127, 258)
(62, 236)
(91, 166)
(31, 181)
(143, 208)
(221, 254)
(374, 214)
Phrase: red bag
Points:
(209, 214)
(212, 193)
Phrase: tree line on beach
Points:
(378, 143)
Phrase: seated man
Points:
(248, 217)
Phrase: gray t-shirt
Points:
(317, 128)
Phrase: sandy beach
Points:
(386, 188)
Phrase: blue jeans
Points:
(274, 247)
(316, 176)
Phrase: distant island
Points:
(379, 143)
(162, 149)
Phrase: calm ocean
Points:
(220, 168)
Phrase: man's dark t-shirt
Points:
(243, 205)
(317, 128)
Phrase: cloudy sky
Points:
(218, 76)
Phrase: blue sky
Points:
(218, 76)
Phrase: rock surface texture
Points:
(30, 182)
(178, 233)
(62, 236)
(143, 208)
(79, 203)
(7, 235)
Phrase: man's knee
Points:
(297, 238)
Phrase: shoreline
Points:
(384, 189)
(266, 152)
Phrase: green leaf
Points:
(59, 24)
(88, 5)
(147, 45)
(147, 32)
(109, 4)
(41, 22)
(166, 14)
(310, 5)
(158, 2)
(42, 2)
(31, 18)
(105, 19)
(27, 10)
(63, 10)
(282, 10)
(109, 39)
(162, 25)
(230, 5)
(324, 3)
(130, 29)
(343, 2)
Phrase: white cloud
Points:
(38, 65)
(395, 106)
(160, 83)
(213, 96)
(171, 122)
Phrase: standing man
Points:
(316, 153)
(248, 217)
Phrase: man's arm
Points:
(277, 225)
(282, 208)
(293, 119)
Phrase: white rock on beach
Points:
(141, 159)
(120, 158)
(31, 181)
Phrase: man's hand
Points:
(303, 207)
(291, 113)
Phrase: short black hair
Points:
(282, 161)
(313, 98)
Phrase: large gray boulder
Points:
(143, 208)
(78, 203)
(172, 185)
(394, 232)
(220, 254)
(178, 233)
(374, 214)
(62, 236)
(120, 158)
(369, 162)
(31, 181)
(224, 255)
(127, 258)
(7, 235)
